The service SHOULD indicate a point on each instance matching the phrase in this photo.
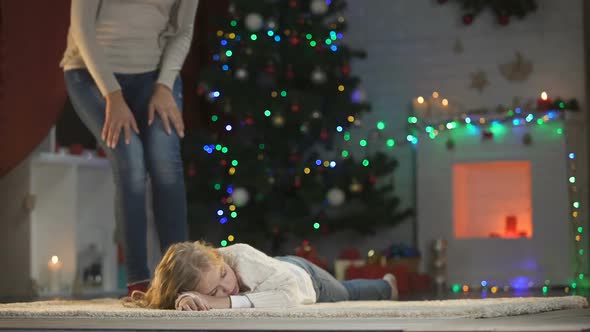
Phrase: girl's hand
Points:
(164, 104)
(118, 117)
(193, 301)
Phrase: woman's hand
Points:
(118, 117)
(164, 104)
(193, 301)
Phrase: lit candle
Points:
(54, 266)
(544, 102)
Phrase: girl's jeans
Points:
(151, 153)
(328, 289)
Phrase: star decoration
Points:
(518, 70)
(479, 81)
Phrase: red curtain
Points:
(32, 92)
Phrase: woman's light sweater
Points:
(128, 37)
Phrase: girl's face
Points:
(219, 281)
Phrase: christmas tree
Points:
(278, 154)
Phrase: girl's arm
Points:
(179, 44)
(82, 29)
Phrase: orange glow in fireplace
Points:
(492, 200)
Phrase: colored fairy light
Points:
(216, 57)
(231, 238)
(267, 113)
(341, 88)
(277, 38)
(334, 48)
(380, 125)
(339, 129)
(318, 162)
(365, 162)
(572, 155)
(230, 190)
(261, 146)
(465, 288)
(344, 153)
(581, 252)
(223, 243)
(228, 53)
(445, 102)
(223, 42)
(468, 120)
(545, 289)
(559, 131)
(228, 127)
(253, 36)
(484, 283)
(316, 225)
(219, 212)
(215, 94)
(576, 204)
(580, 229)
(332, 164)
(540, 121)
(391, 142)
(234, 215)
(455, 288)
(350, 118)
(214, 118)
(340, 36)
(234, 163)
(307, 170)
(494, 290)
(283, 93)
(308, 36)
(224, 150)
(233, 23)
(217, 186)
(328, 41)
(312, 43)
(420, 100)
(517, 110)
(225, 67)
(412, 119)
(347, 136)
(232, 171)
(572, 179)
(270, 33)
(223, 220)
(363, 142)
(435, 94)
(232, 207)
(529, 118)
(581, 276)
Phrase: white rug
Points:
(479, 308)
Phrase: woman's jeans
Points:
(151, 153)
(328, 289)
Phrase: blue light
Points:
(551, 115)
(495, 123)
(516, 122)
(216, 57)
(518, 110)
(328, 2)
(318, 162)
(277, 38)
(332, 164)
(225, 67)
(340, 36)
(230, 190)
(529, 118)
(412, 139)
(468, 120)
(223, 220)
(572, 155)
(219, 212)
(484, 283)
(334, 48)
(215, 94)
(519, 283)
(238, 37)
(208, 149)
(224, 42)
(228, 127)
(339, 129)
(270, 33)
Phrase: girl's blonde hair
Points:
(180, 270)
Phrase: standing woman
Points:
(122, 66)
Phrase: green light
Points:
(261, 146)
(391, 142)
(234, 163)
(580, 229)
(316, 225)
(344, 153)
(429, 129)
(234, 214)
(576, 204)
(574, 285)
(309, 36)
(561, 104)
(545, 288)
(217, 186)
(432, 135)
(581, 252)
(363, 142)
(218, 147)
(328, 41)
(366, 162)
(559, 131)
(312, 43)
(380, 125)
(412, 119)
(547, 282)
(228, 53)
(572, 179)
(510, 113)
(223, 243)
(540, 121)
(224, 150)
(233, 23)
(347, 136)
(267, 113)
(253, 36)
(456, 288)
(214, 118)
(452, 125)
(581, 276)
(283, 93)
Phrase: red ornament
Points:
(467, 19)
(295, 41)
(345, 69)
(249, 121)
(223, 162)
(324, 134)
(487, 135)
(295, 108)
(76, 149)
(503, 20)
(191, 171)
